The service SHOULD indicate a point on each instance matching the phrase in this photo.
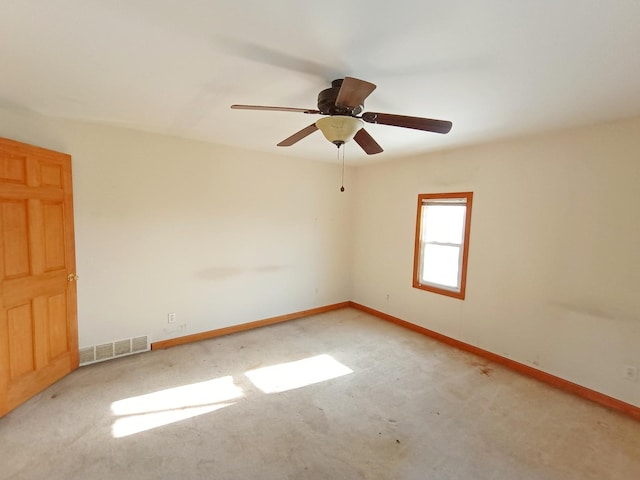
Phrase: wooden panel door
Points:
(38, 313)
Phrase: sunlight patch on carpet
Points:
(292, 375)
(145, 412)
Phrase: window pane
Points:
(443, 223)
(440, 265)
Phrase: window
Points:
(442, 243)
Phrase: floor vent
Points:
(87, 355)
(119, 348)
(104, 352)
(122, 347)
(140, 344)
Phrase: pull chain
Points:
(342, 183)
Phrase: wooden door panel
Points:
(13, 168)
(53, 221)
(58, 332)
(20, 329)
(38, 325)
(51, 175)
(15, 239)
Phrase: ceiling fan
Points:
(343, 105)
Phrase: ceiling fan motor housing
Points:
(327, 101)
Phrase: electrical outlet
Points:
(171, 318)
(630, 373)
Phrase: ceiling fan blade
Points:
(271, 57)
(366, 141)
(274, 109)
(418, 123)
(353, 92)
(296, 137)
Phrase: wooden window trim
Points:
(468, 196)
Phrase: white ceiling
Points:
(495, 68)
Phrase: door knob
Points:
(72, 277)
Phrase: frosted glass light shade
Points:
(339, 129)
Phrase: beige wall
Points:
(219, 236)
(554, 261)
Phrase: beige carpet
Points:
(348, 397)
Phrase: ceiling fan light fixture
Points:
(339, 129)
